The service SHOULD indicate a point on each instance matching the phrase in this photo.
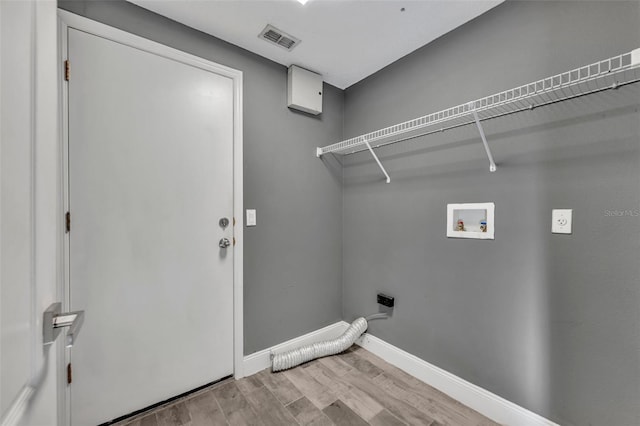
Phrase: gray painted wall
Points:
(549, 322)
(293, 258)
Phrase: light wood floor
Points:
(353, 388)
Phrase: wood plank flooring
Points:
(354, 388)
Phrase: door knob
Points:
(224, 243)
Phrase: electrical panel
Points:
(304, 90)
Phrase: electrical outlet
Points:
(386, 300)
(561, 221)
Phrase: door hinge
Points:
(67, 221)
(69, 374)
(66, 70)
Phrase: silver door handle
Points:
(224, 243)
(54, 320)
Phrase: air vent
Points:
(279, 38)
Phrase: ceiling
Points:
(344, 40)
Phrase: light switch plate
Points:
(561, 221)
(251, 217)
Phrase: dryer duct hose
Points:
(310, 352)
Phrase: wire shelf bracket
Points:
(607, 74)
(492, 164)
(375, 157)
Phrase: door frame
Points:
(29, 68)
(68, 20)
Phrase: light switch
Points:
(561, 221)
(251, 217)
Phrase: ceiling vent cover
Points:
(279, 38)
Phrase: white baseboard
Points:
(475, 397)
(258, 361)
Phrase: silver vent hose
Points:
(295, 357)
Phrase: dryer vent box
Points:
(304, 90)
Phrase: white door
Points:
(150, 176)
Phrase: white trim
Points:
(16, 411)
(260, 360)
(70, 20)
(475, 397)
(33, 32)
(64, 391)
(238, 232)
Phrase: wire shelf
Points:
(603, 75)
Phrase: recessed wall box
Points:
(304, 90)
(471, 220)
(386, 300)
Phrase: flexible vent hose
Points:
(307, 353)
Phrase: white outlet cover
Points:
(251, 217)
(561, 221)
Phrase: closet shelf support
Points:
(375, 157)
(492, 164)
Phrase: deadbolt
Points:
(224, 222)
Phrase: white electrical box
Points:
(251, 217)
(561, 221)
(471, 220)
(304, 90)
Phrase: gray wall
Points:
(549, 322)
(293, 258)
